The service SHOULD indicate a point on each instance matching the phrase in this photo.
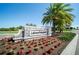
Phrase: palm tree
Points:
(58, 15)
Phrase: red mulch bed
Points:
(42, 46)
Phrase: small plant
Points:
(39, 44)
(48, 51)
(59, 44)
(26, 44)
(44, 53)
(35, 49)
(48, 41)
(29, 46)
(51, 42)
(29, 52)
(2, 43)
(35, 45)
(46, 44)
(51, 49)
(41, 47)
(43, 43)
(21, 45)
(55, 46)
(31, 43)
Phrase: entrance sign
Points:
(33, 31)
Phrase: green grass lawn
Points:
(8, 32)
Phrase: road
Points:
(77, 46)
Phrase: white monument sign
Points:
(33, 31)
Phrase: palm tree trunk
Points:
(53, 28)
(61, 30)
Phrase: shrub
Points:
(55, 46)
(51, 42)
(30, 51)
(41, 47)
(29, 46)
(35, 49)
(44, 53)
(48, 51)
(67, 36)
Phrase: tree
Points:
(19, 27)
(58, 15)
(30, 24)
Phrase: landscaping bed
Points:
(43, 46)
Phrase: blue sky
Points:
(20, 14)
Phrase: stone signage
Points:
(33, 31)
